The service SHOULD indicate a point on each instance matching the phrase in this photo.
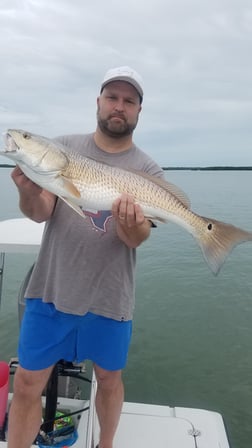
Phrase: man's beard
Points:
(115, 130)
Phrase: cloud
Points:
(194, 56)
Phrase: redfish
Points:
(86, 183)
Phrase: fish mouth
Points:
(10, 144)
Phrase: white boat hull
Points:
(147, 425)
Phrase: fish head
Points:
(35, 151)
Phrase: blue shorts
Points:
(48, 335)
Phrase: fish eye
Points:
(26, 136)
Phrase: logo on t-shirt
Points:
(100, 219)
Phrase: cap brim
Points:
(125, 79)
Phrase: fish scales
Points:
(88, 175)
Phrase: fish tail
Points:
(217, 241)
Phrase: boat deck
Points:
(150, 426)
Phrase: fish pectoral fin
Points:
(75, 207)
(70, 187)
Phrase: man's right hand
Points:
(35, 202)
(23, 183)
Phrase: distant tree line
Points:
(210, 168)
(174, 168)
(6, 165)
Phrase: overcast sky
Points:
(195, 57)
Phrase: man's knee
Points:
(108, 379)
(31, 383)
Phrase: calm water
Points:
(192, 331)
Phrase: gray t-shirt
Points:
(82, 264)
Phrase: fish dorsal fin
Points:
(168, 186)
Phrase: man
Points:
(80, 297)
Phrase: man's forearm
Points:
(34, 202)
(37, 207)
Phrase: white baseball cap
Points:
(126, 74)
